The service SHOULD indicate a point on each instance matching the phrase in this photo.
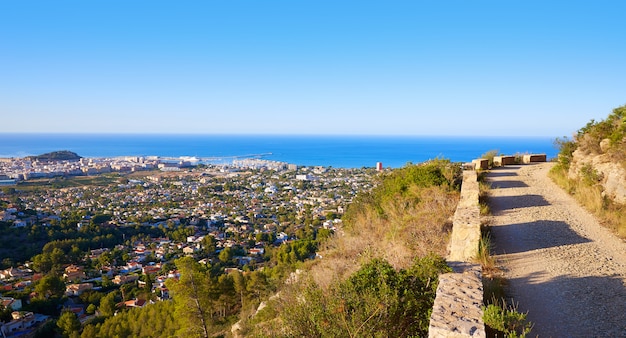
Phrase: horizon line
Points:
(276, 134)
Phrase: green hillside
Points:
(62, 155)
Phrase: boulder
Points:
(605, 145)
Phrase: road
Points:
(562, 266)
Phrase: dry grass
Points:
(483, 195)
(407, 230)
(610, 214)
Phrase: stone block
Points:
(457, 309)
(481, 164)
(499, 161)
(468, 166)
(534, 158)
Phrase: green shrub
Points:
(566, 149)
(407, 183)
(612, 128)
(489, 156)
(375, 301)
(506, 320)
(589, 175)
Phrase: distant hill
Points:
(62, 155)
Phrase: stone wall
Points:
(466, 224)
(457, 310)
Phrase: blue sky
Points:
(504, 67)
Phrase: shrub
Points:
(484, 257)
(612, 128)
(489, 156)
(506, 320)
(566, 149)
(483, 195)
(375, 301)
(407, 183)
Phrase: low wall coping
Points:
(457, 310)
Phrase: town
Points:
(99, 225)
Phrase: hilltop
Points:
(61, 155)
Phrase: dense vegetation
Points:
(611, 132)
(61, 242)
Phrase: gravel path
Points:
(563, 268)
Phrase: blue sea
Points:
(335, 151)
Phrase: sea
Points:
(305, 150)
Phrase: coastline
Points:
(344, 151)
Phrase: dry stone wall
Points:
(457, 310)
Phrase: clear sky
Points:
(466, 67)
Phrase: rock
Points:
(605, 145)
(613, 181)
(457, 310)
(613, 174)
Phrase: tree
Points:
(226, 255)
(105, 259)
(100, 219)
(42, 263)
(106, 281)
(89, 331)
(91, 309)
(50, 286)
(257, 283)
(68, 323)
(75, 254)
(208, 244)
(107, 305)
(192, 299)
(240, 284)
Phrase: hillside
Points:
(592, 167)
(378, 275)
(62, 155)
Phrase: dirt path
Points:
(567, 271)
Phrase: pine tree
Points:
(68, 322)
(192, 299)
(107, 305)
